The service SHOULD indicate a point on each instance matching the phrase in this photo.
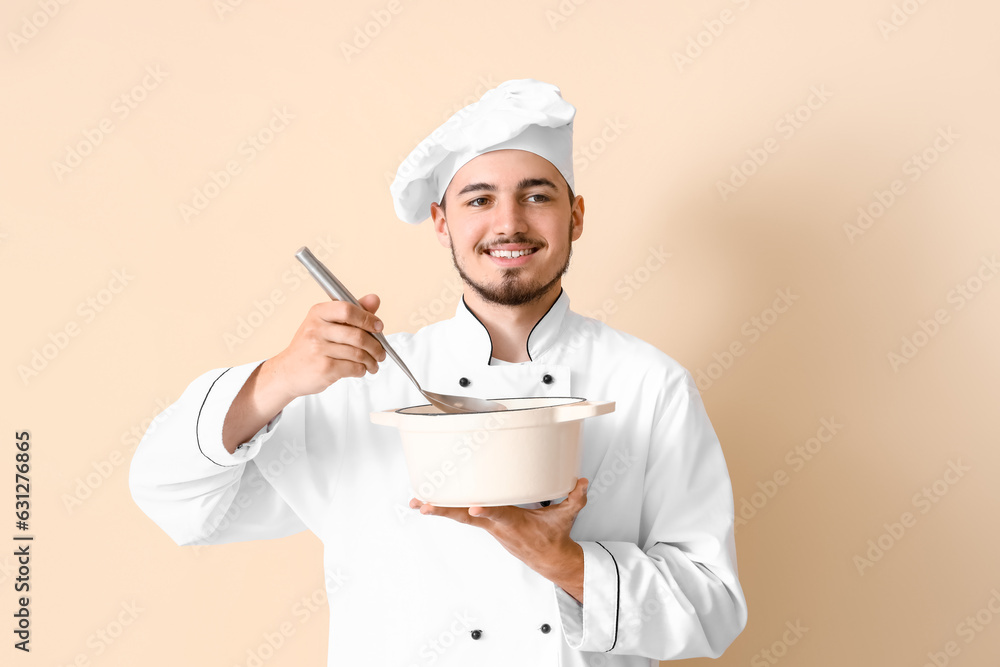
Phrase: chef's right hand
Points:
(332, 343)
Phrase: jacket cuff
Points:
(212, 415)
(593, 626)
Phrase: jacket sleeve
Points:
(182, 477)
(676, 594)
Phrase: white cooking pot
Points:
(526, 454)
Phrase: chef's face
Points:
(513, 201)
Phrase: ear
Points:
(440, 225)
(577, 218)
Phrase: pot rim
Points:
(571, 400)
(574, 409)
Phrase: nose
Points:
(509, 217)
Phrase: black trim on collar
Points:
(527, 346)
(484, 329)
(197, 422)
(619, 595)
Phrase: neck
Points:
(509, 326)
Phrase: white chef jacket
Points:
(409, 590)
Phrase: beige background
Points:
(670, 133)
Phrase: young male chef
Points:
(636, 568)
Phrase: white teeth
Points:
(511, 253)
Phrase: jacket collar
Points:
(472, 340)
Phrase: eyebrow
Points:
(521, 185)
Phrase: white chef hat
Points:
(525, 114)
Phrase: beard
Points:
(512, 289)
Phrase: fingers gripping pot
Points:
(529, 453)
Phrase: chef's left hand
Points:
(538, 537)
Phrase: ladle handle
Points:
(336, 290)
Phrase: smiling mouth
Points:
(511, 254)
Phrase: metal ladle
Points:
(336, 290)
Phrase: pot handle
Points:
(583, 409)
